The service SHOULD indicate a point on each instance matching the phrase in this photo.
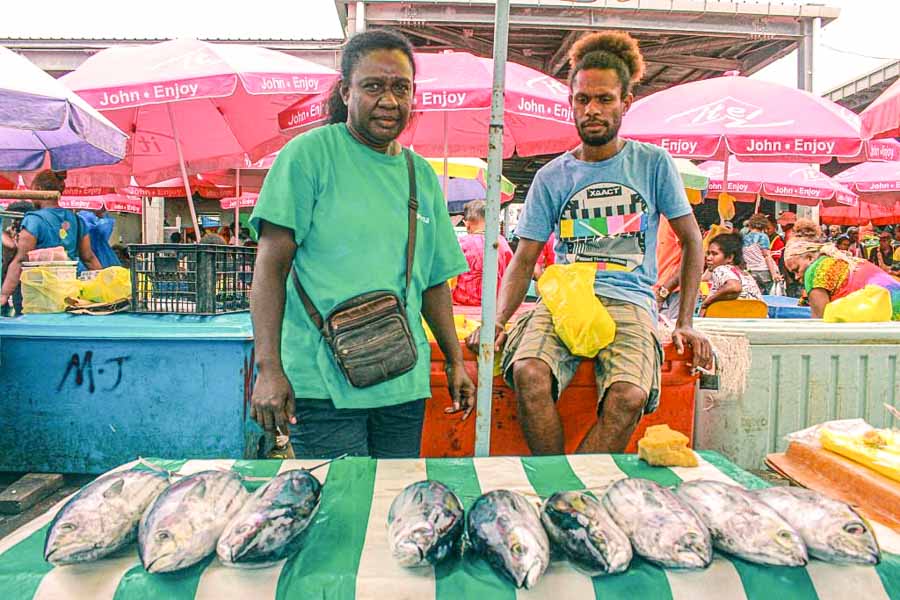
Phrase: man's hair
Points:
(474, 210)
(48, 181)
(614, 50)
(359, 46)
(213, 238)
(20, 206)
(175, 238)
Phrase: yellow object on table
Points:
(878, 449)
(464, 327)
(108, 285)
(662, 446)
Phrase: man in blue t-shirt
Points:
(603, 200)
(49, 227)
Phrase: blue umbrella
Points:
(38, 114)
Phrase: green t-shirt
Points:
(348, 208)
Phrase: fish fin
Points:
(197, 491)
(115, 489)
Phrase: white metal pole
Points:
(184, 176)
(446, 180)
(237, 205)
(491, 229)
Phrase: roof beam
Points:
(758, 59)
(455, 40)
(559, 58)
(566, 17)
(697, 62)
(690, 47)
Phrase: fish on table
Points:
(102, 517)
(503, 527)
(743, 525)
(661, 528)
(577, 524)
(831, 530)
(268, 527)
(425, 524)
(184, 523)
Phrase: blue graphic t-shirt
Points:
(53, 227)
(607, 213)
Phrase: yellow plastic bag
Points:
(872, 304)
(464, 327)
(109, 285)
(726, 206)
(579, 318)
(44, 292)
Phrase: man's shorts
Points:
(635, 355)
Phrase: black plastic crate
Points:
(190, 279)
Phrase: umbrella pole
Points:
(237, 205)
(446, 181)
(184, 176)
(492, 216)
(756, 208)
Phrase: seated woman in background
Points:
(725, 273)
(829, 273)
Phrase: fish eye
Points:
(516, 548)
(785, 534)
(855, 528)
(67, 527)
(163, 536)
(243, 528)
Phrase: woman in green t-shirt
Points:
(335, 208)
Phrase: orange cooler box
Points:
(447, 436)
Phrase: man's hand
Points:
(4, 300)
(474, 339)
(272, 404)
(462, 390)
(688, 336)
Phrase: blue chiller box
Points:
(87, 393)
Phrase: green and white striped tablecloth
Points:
(345, 554)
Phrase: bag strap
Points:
(413, 204)
(413, 214)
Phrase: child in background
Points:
(757, 255)
(725, 274)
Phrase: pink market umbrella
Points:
(748, 118)
(784, 182)
(878, 187)
(881, 119)
(111, 202)
(244, 201)
(175, 188)
(193, 106)
(452, 109)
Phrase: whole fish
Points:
(506, 529)
(743, 525)
(102, 517)
(579, 525)
(268, 526)
(184, 523)
(832, 531)
(661, 528)
(425, 523)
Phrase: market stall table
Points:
(345, 552)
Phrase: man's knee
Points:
(532, 377)
(625, 402)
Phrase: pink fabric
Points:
(747, 117)
(878, 186)
(453, 102)
(245, 201)
(468, 285)
(882, 118)
(790, 182)
(223, 100)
